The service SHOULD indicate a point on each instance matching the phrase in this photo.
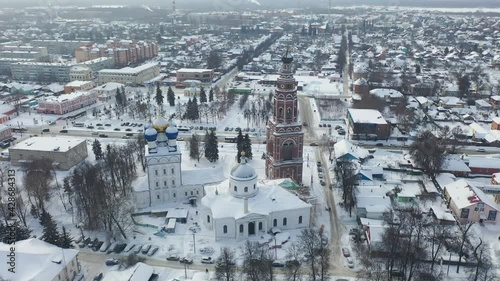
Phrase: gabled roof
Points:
(464, 194)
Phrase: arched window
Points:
(224, 229)
(284, 221)
(275, 222)
(254, 186)
(235, 188)
(241, 228)
(208, 218)
(246, 189)
(300, 219)
(288, 150)
(260, 225)
(280, 112)
(289, 113)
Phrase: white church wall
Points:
(142, 199)
(219, 228)
(292, 218)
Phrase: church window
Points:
(164, 171)
(288, 150)
(208, 218)
(280, 112)
(158, 196)
(246, 189)
(235, 188)
(191, 192)
(197, 192)
(254, 186)
(174, 194)
(260, 225)
(173, 182)
(157, 184)
(289, 113)
(300, 219)
(186, 193)
(241, 228)
(275, 222)
(173, 171)
(284, 221)
(156, 172)
(165, 183)
(225, 229)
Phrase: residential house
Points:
(495, 125)
(346, 150)
(470, 204)
(495, 101)
(451, 102)
(367, 123)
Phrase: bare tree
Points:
(428, 152)
(37, 180)
(225, 266)
(293, 270)
(314, 245)
(463, 239)
(484, 269)
(257, 262)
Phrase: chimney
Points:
(245, 206)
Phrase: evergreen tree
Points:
(171, 96)
(97, 149)
(195, 113)
(239, 145)
(188, 110)
(247, 146)
(194, 148)
(159, 96)
(22, 232)
(211, 95)
(211, 146)
(417, 69)
(66, 240)
(50, 233)
(203, 95)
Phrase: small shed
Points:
(171, 226)
(180, 215)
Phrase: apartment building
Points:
(81, 73)
(23, 52)
(122, 52)
(40, 71)
(60, 47)
(66, 103)
(128, 75)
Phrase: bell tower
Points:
(285, 138)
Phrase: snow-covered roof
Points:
(384, 93)
(66, 97)
(483, 162)
(442, 214)
(40, 260)
(60, 144)
(110, 86)
(366, 116)
(203, 176)
(193, 70)
(452, 163)
(270, 198)
(465, 194)
(78, 83)
(344, 147)
(139, 272)
(129, 70)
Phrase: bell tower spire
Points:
(284, 132)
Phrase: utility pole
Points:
(194, 243)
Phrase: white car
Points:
(320, 175)
(350, 263)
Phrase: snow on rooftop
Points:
(465, 194)
(78, 83)
(195, 70)
(367, 116)
(345, 147)
(383, 93)
(270, 198)
(453, 163)
(128, 70)
(60, 144)
(65, 97)
(35, 260)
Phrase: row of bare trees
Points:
(413, 244)
(307, 259)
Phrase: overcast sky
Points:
(264, 3)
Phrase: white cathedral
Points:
(165, 181)
(243, 206)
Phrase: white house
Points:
(243, 206)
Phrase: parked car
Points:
(116, 129)
(110, 262)
(379, 144)
(129, 247)
(45, 130)
(77, 241)
(313, 144)
(145, 248)
(278, 264)
(95, 133)
(208, 260)
(173, 258)
(63, 131)
(125, 137)
(105, 246)
(318, 163)
(94, 242)
(322, 182)
(480, 150)
(120, 247)
(346, 252)
(137, 249)
(186, 260)
(112, 247)
(98, 277)
(128, 130)
(320, 175)
(97, 246)
(341, 132)
(320, 169)
(103, 135)
(338, 127)
(153, 250)
(107, 125)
